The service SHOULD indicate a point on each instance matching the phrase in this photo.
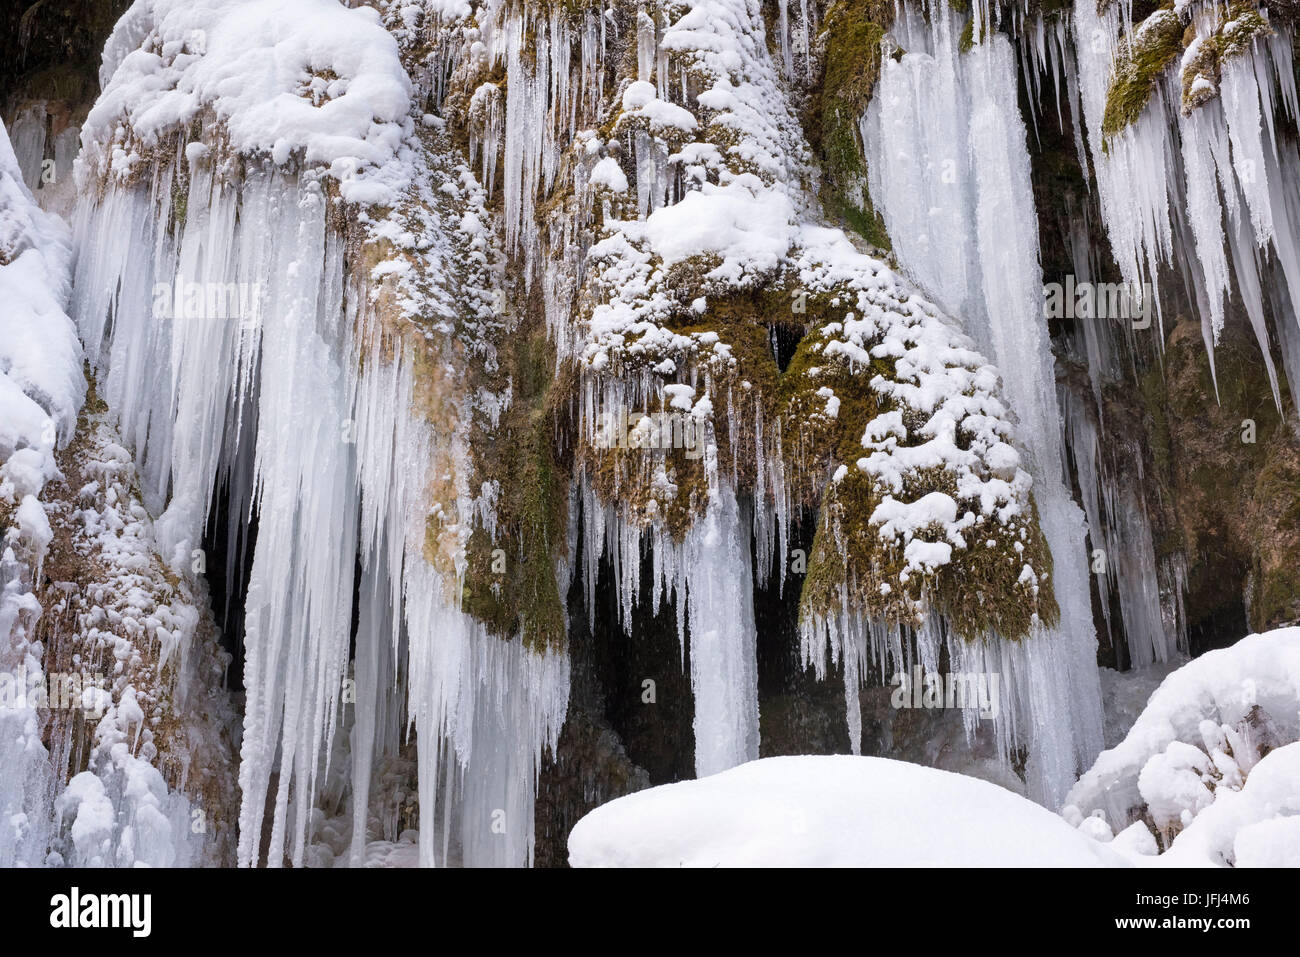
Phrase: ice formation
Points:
(92, 670)
(950, 173)
(1203, 185)
(446, 306)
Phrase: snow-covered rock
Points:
(1211, 765)
(41, 388)
(310, 79)
(1229, 705)
(1256, 826)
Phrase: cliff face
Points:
(520, 403)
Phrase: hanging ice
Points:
(957, 197)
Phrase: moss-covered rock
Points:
(1157, 42)
(510, 579)
(1166, 36)
(852, 35)
(1275, 517)
(815, 418)
(1232, 467)
(1234, 35)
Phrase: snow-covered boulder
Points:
(1203, 732)
(830, 811)
(1211, 768)
(1256, 826)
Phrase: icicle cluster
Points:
(310, 394)
(949, 170)
(1202, 178)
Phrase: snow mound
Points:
(836, 811)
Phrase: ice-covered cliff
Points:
(470, 375)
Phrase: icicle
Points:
(783, 31)
(646, 46)
(1227, 147)
(1119, 526)
(1240, 90)
(975, 178)
(485, 131)
(529, 142)
(724, 668)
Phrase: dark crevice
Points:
(228, 548)
(784, 338)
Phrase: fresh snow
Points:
(1232, 700)
(291, 78)
(41, 389)
(836, 811)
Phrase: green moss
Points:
(863, 220)
(1276, 516)
(826, 442)
(967, 39)
(180, 204)
(1241, 27)
(979, 591)
(853, 33)
(1157, 43)
(509, 581)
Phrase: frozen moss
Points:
(1234, 35)
(967, 38)
(853, 565)
(1243, 24)
(1200, 73)
(1156, 43)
